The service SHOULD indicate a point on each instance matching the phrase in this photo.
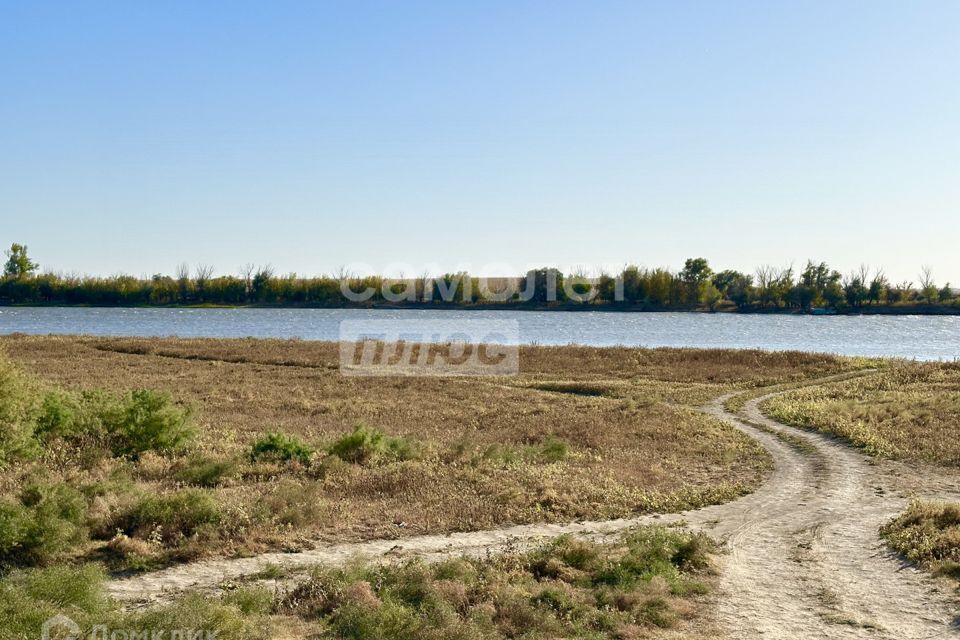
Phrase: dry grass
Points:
(909, 410)
(476, 453)
(928, 534)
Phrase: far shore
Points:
(896, 310)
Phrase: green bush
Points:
(59, 413)
(365, 446)
(146, 420)
(19, 407)
(47, 520)
(173, 516)
(277, 446)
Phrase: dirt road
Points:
(804, 558)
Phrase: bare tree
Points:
(246, 272)
(201, 276)
(183, 281)
(928, 288)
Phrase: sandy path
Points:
(804, 560)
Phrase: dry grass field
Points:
(580, 434)
(908, 410)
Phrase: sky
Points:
(411, 137)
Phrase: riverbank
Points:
(610, 307)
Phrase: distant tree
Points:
(946, 293)
(902, 292)
(724, 279)
(543, 285)
(768, 279)
(201, 277)
(260, 285)
(855, 287)
(19, 264)
(879, 288)
(633, 289)
(183, 281)
(734, 286)
(813, 282)
(710, 295)
(833, 293)
(696, 271)
(928, 288)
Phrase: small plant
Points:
(277, 446)
(554, 449)
(366, 446)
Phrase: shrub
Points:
(365, 446)
(58, 414)
(19, 407)
(146, 420)
(173, 516)
(46, 521)
(277, 446)
(206, 473)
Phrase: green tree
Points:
(19, 263)
(710, 295)
(696, 271)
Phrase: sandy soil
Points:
(803, 559)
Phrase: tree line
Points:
(697, 285)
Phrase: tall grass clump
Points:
(28, 598)
(928, 534)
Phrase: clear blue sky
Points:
(134, 136)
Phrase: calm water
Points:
(921, 337)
